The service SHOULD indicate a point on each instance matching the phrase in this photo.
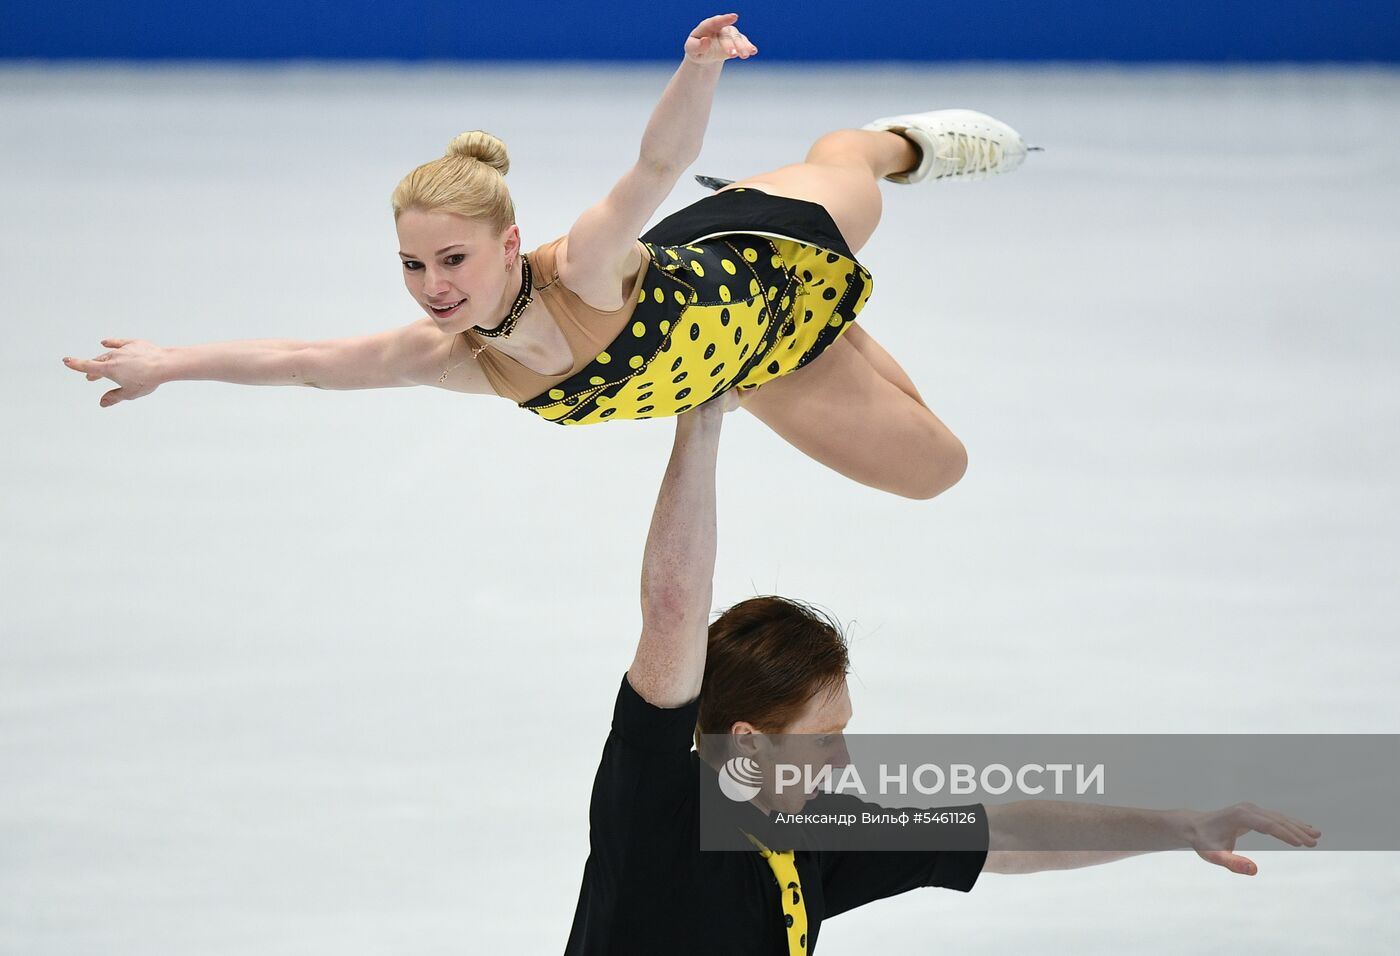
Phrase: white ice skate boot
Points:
(956, 144)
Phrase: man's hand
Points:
(729, 400)
(1028, 836)
(1213, 835)
(134, 365)
(716, 40)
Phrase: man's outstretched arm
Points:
(679, 566)
(1028, 836)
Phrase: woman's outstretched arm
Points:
(601, 249)
(416, 354)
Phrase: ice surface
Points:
(286, 671)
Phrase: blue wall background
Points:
(415, 30)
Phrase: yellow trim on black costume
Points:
(783, 863)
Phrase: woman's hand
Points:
(134, 365)
(716, 40)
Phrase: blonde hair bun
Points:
(481, 146)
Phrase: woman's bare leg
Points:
(854, 409)
(882, 361)
(841, 411)
(842, 172)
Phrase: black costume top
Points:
(648, 888)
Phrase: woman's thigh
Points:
(842, 172)
(842, 412)
(848, 193)
(884, 363)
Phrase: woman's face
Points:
(457, 269)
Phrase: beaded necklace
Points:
(517, 308)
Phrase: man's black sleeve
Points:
(852, 878)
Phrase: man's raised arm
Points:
(679, 565)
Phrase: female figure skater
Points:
(757, 285)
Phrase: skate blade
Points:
(713, 182)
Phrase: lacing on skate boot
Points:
(966, 156)
(955, 144)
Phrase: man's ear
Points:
(745, 738)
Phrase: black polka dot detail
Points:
(752, 287)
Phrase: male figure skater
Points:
(769, 665)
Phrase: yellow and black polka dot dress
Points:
(741, 288)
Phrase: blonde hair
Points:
(469, 180)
